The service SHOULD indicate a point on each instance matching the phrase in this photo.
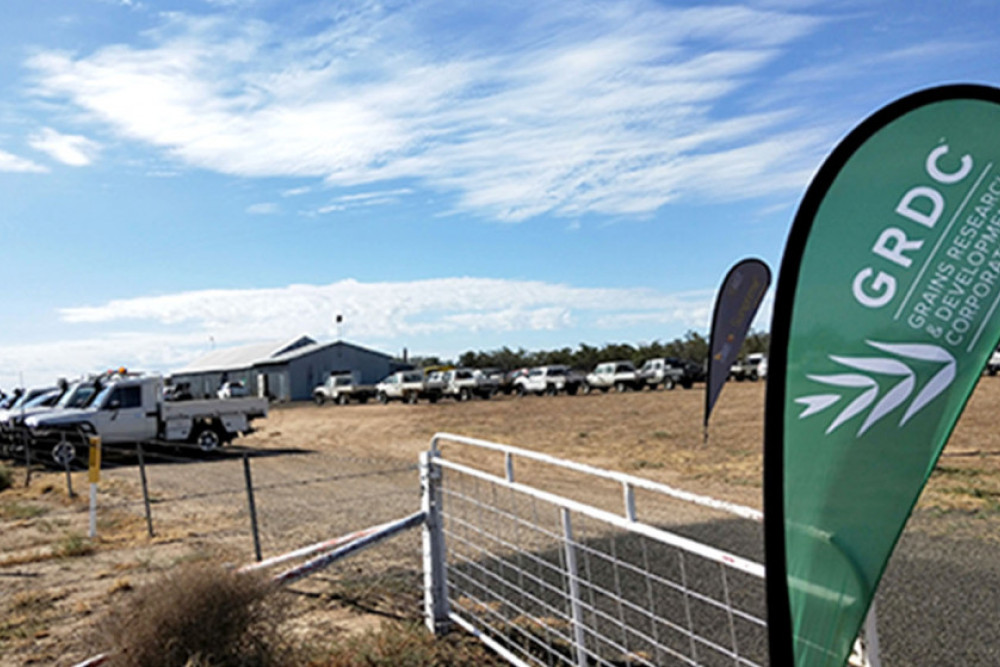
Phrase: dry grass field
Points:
(55, 584)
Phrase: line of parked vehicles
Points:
(124, 408)
(121, 408)
(462, 384)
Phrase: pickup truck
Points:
(342, 388)
(663, 372)
(753, 368)
(69, 395)
(464, 383)
(993, 365)
(617, 375)
(406, 386)
(550, 380)
(129, 408)
(668, 372)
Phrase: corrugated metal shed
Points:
(245, 356)
(288, 370)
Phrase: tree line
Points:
(692, 346)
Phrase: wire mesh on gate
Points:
(558, 582)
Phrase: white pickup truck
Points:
(406, 386)
(993, 365)
(619, 375)
(664, 372)
(130, 408)
(548, 380)
(464, 383)
(342, 388)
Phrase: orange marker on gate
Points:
(94, 473)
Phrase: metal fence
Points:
(241, 503)
(545, 579)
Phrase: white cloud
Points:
(295, 192)
(362, 199)
(263, 208)
(441, 316)
(70, 149)
(12, 163)
(383, 310)
(615, 108)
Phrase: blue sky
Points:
(447, 176)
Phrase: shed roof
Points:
(245, 356)
(261, 354)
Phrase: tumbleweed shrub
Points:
(198, 614)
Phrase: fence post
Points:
(94, 476)
(252, 505)
(873, 649)
(435, 566)
(574, 588)
(628, 492)
(145, 489)
(66, 462)
(26, 442)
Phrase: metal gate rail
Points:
(549, 580)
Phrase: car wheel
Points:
(754, 377)
(668, 383)
(521, 391)
(587, 389)
(463, 394)
(343, 399)
(319, 399)
(620, 387)
(412, 398)
(208, 439)
(687, 384)
(383, 398)
(572, 389)
(64, 453)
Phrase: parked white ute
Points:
(464, 383)
(548, 380)
(131, 409)
(406, 386)
(342, 388)
(619, 375)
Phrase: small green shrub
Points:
(6, 477)
(74, 545)
(15, 511)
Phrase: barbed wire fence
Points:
(241, 502)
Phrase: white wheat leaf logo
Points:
(885, 366)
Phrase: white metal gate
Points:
(546, 579)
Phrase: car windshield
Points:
(39, 400)
(19, 401)
(76, 397)
(102, 396)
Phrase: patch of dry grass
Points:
(408, 645)
(198, 613)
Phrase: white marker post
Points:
(94, 475)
